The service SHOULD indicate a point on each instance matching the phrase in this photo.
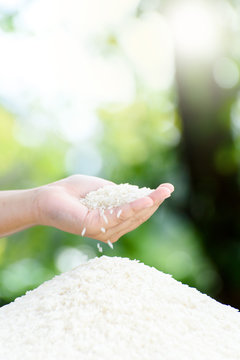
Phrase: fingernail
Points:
(170, 187)
(167, 193)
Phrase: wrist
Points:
(42, 199)
(37, 196)
(18, 210)
(29, 203)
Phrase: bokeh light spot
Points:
(226, 73)
(68, 258)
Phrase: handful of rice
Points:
(111, 196)
(115, 309)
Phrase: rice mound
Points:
(111, 196)
(114, 308)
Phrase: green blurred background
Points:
(134, 91)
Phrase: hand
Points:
(58, 205)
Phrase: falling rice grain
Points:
(99, 247)
(119, 213)
(111, 211)
(83, 231)
(110, 244)
(103, 230)
(105, 218)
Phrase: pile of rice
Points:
(111, 196)
(115, 309)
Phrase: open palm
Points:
(59, 206)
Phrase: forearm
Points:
(17, 210)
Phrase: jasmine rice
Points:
(114, 308)
(112, 196)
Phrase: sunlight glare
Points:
(195, 30)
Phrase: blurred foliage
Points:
(140, 137)
(138, 145)
(7, 22)
(31, 166)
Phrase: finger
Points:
(160, 194)
(130, 214)
(167, 185)
(131, 223)
(130, 210)
(117, 232)
(140, 210)
(140, 204)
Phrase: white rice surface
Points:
(115, 309)
(111, 196)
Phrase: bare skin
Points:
(57, 205)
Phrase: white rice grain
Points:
(105, 218)
(112, 196)
(83, 231)
(99, 247)
(110, 244)
(119, 213)
(103, 230)
(116, 308)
